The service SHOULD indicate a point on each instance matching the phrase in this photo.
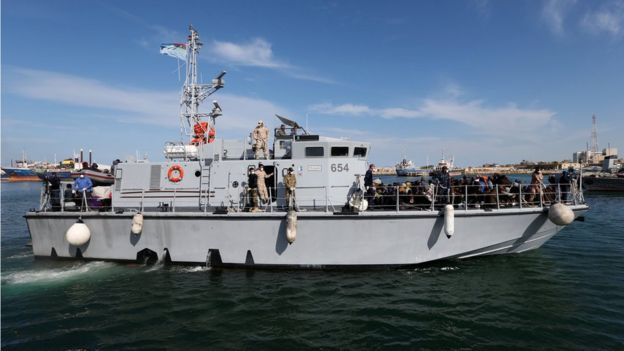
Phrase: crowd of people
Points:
(478, 191)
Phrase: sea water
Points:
(568, 295)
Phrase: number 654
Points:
(339, 167)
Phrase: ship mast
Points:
(194, 93)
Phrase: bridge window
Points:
(314, 151)
(359, 152)
(340, 151)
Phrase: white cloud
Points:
(554, 13)
(258, 53)
(132, 105)
(486, 119)
(608, 19)
(482, 7)
(345, 109)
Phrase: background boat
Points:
(19, 174)
(610, 183)
(405, 168)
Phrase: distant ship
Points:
(450, 166)
(610, 183)
(19, 174)
(405, 168)
(20, 171)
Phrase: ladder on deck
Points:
(204, 185)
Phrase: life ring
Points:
(175, 173)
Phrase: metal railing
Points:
(392, 197)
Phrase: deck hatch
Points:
(155, 177)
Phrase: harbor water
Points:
(568, 295)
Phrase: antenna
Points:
(594, 136)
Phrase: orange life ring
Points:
(175, 173)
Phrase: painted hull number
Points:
(339, 167)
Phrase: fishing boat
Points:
(72, 168)
(199, 205)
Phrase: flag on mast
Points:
(176, 50)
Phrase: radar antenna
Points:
(289, 122)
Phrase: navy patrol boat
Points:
(194, 207)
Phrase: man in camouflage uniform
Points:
(261, 140)
(290, 182)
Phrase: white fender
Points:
(78, 234)
(358, 202)
(449, 220)
(137, 224)
(560, 214)
(291, 226)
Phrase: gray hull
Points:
(323, 239)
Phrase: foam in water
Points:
(19, 256)
(55, 275)
(195, 269)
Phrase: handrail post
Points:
(270, 200)
(520, 194)
(497, 198)
(142, 198)
(541, 197)
(397, 199)
(174, 200)
(84, 199)
(433, 198)
(326, 199)
(466, 198)
(558, 192)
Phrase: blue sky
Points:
(485, 81)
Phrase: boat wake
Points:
(190, 269)
(428, 270)
(19, 256)
(37, 276)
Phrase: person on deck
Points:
(443, 181)
(53, 186)
(253, 189)
(564, 186)
(369, 187)
(83, 184)
(83, 187)
(262, 188)
(536, 184)
(261, 140)
(281, 131)
(114, 165)
(290, 182)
